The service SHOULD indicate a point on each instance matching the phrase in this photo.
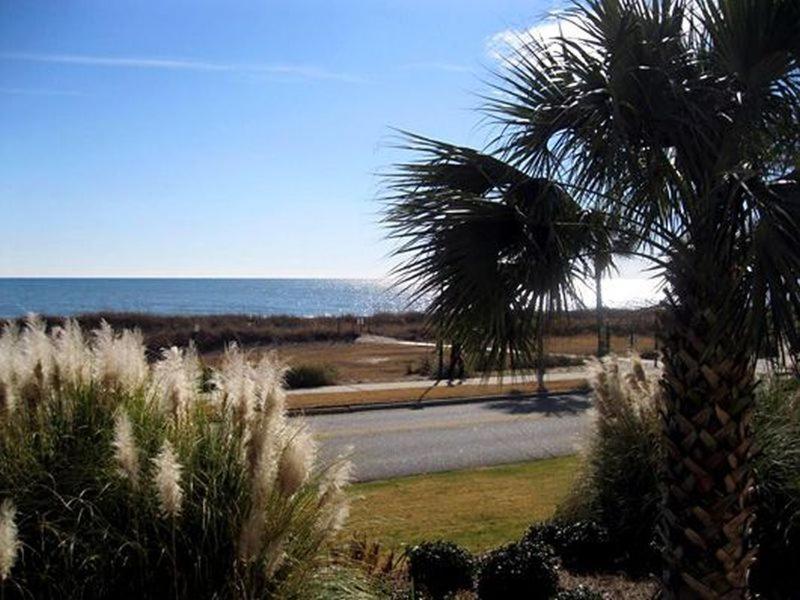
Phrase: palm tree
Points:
(680, 121)
(609, 242)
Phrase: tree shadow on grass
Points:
(548, 405)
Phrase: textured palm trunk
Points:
(599, 310)
(708, 401)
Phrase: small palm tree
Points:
(679, 121)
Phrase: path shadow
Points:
(526, 404)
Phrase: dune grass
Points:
(477, 508)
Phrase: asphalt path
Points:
(405, 441)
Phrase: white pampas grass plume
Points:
(334, 503)
(9, 543)
(168, 481)
(262, 462)
(37, 352)
(72, 355)
(126, 454)
(9, 355)
(268, 377)
(177, 376)
(234, 385)
(336, 478)
(274, 556)
(119, 359)
(296, 460)
(622, 397)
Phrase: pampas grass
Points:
(619, 486)
(167, 480)
(131, 478)
(9, 544)
(126, 454)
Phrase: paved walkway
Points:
(558, 374)
(407, 441)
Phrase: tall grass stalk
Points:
(120, 477)
(619, 487)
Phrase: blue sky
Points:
(198, 138)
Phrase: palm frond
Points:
(492, 247)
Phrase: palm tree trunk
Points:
(599, 312)
(708, 392)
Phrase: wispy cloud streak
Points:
(174, 64)
(437, 66)
(37, 92)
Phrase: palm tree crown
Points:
(675, 122)
(679, 122)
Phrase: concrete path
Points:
(396, 442)
(556, 374)
(426, 383)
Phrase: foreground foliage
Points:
(619, 487)
(440, 569)
(118, 477)
(517, 571)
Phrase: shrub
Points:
(120, 478)
(777, 525)
(581, 545)
(440, 568)
(584, 546)
(579, 593)
(524, 570)
(310, 376)
(547, 532)
(619, 489)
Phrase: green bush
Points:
(777, 525)
(123, 479)
(581, 545)
(310, 376)
(440, 568)
(519, 571)
(579, 593)
(619, 489)
(585, 546)
(547, 532)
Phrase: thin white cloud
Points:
(38, 92)
(173, 64)
(437, 66)
(505, 44)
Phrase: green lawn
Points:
(478, 508)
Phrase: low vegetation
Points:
(311, 376)
(524, 569)
(440, 569)
(211, 333)
(619, 485)
(120, 477)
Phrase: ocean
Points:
(298, 297)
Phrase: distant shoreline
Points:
(303, 298)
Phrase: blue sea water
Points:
(299, 297)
